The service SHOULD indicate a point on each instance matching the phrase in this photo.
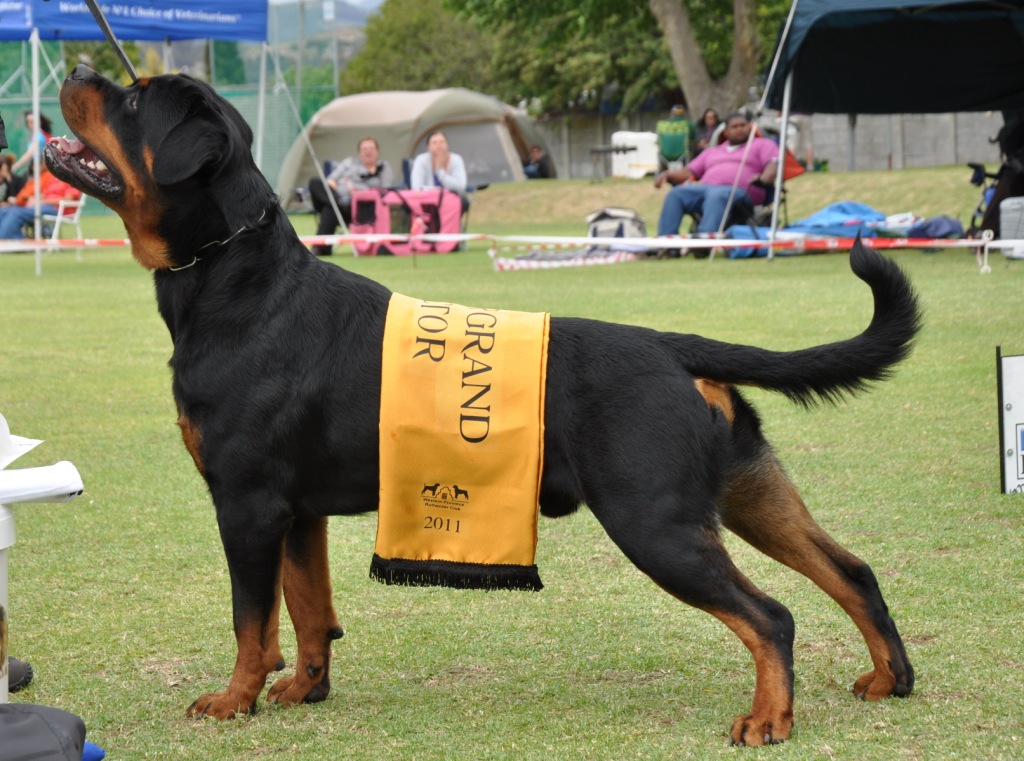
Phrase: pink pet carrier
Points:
(400, 212)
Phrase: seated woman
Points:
(706, 129)
(439, 167)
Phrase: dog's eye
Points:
(133, 101)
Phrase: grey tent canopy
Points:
(917, 56)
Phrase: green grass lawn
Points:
(120, 599)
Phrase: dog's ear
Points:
(190, 147)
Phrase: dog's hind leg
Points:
(254, 563)
(690, 562)
(307, 593)
(763, 507)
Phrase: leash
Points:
(239, 231)
(109, 34)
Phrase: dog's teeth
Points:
(100, 166)
(91, 164)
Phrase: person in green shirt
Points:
(675, 138)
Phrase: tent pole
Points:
(34, 138)
(261, 102)
(735, 184)
(11, 80)
(787, 91)
(851, 124)
(304, 132)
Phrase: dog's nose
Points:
(81, 71)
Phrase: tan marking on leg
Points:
(308, 595)
(764, 508)
(771, 716)
(258, 654)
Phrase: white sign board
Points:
(1010, 374)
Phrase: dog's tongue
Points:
(72, 146)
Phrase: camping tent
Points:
(492, 137)
(898, 56)
(892, 57)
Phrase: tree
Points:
(317, 89)
(419, 45)
(229, 69)
(625, 62)
(102, 57)
(715, 46)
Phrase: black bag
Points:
(40, 733)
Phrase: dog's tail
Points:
(828, 372)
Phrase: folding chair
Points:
(68, 213)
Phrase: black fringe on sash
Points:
(445, 573)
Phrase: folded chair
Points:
(467, 197)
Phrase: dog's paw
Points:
(753, 731)
(220, 705)
(877, 685)
(874, 686)
(290, 690)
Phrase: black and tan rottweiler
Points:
(276, 375)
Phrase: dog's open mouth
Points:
(77, 164)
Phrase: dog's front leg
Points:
(307, 593)
(254, 548)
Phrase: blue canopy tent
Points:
(137, 20)
(892, 56)
(36, 20)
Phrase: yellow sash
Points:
(461, 445)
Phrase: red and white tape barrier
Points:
(782, 245)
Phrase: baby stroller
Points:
(987, 181)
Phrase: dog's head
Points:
(168, 154)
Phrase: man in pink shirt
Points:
(718, 168)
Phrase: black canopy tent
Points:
(887, 57)
(911, 57)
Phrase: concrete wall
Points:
(906, 140)
(879, 142)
